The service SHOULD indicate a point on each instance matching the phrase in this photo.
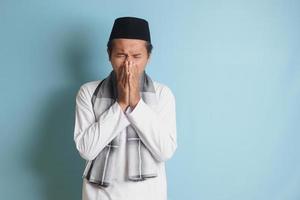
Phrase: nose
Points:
(128, 58)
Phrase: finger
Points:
(131, 67)
(133, 72)
(119, 74)
(130, 64)
(136, 69)
(127, 64)
(128, 67)
(126, 73)
(127, 80)
(122, 80)
(125, 77)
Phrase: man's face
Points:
(129, 49)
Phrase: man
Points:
(125, 124)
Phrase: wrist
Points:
(134, 103)
(122, 105)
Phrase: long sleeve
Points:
(157, 130)
(91, 136)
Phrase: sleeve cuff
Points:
(123, 118)
(138, 111)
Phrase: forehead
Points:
(129, 44)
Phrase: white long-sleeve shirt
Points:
(156, 127)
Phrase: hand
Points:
(123, 86)
(134, 85)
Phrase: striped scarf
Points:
(141, 164)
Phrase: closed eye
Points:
(120, 55)
(137, 55)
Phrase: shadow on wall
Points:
(55, 157)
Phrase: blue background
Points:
(232, 65)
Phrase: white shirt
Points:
(157, 130)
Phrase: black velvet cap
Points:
(130, 28)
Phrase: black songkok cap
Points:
(130, 28)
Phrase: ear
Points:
(149, 58)
(108, 55)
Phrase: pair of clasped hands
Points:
(128, 79)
